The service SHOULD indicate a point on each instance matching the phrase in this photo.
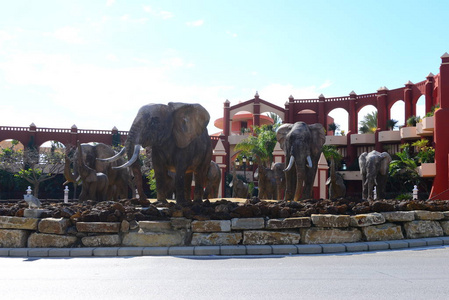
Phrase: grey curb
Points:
(227, 250)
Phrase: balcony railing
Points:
(336, 140)
(363, 139)
(389, 136)
(409, 133)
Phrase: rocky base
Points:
(136, 210)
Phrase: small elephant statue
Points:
(95, 184)
(267, 182)
(179, 141)
(118, 180)
(279, 176)
(374, 168)
(337, 187)
(213, 181)
(302, 145)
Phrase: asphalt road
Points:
(407, 274)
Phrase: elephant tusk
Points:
(290, 163)
(132, 160)
(309, 161)
(115, 157)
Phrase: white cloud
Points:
(111, 57)
(5, 36)
(176, 62)
(231, 34)
(196, 23)
(326, 84)
(158, 13)
(110, 2)
(67, 34)
(127, 18)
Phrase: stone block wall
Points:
(18, 232)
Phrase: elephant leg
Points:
(138, 181)
(199, 186)
(180, 186)
(162, 179)
(188, 185)
(290, 184)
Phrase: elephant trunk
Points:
(69, 176)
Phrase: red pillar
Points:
(321, 117)
(408, 101)
(429, 92)
(256, 110)
(291, 109)
(352, 128)
(226, 131)
(382, 114)
(287, 112)
(440, 189)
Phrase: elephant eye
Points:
(154, 121)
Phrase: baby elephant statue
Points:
(212, 181)
(95, 185)
(267, 182)
(337, 188)
(374, 169)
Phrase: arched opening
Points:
(397, 113)
(341, 120)
(307, 116)
(11, 163)
(420, 107)
(367, 117)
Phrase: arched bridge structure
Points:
(35, 136)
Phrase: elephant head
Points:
(374, 170)
(179, 142)
(302, 145)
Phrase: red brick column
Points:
(440, 183)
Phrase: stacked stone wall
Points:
(20, 232)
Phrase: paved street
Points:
(407, 274)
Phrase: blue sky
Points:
(95, 63)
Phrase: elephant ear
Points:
(189, 122)
(385, 163)
(282, 132)
(362, 163)
(318, 136)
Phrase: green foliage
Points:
(259, 146)
(426, 154)
(330, 152)
(276, 119)
(369, 123)
(411, 121)
(333, 127)
(405, 196)
(149, 175)
(391, 123)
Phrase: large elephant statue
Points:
(179, 141)
(374, 169)
(267, 182)
(302, 145)
(95, 184)
(279, 176)
(118, 180)
(337, 187)
(212, 181)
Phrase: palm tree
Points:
(333, 127)
(369, 123)
(261, 146)
(276, 119)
